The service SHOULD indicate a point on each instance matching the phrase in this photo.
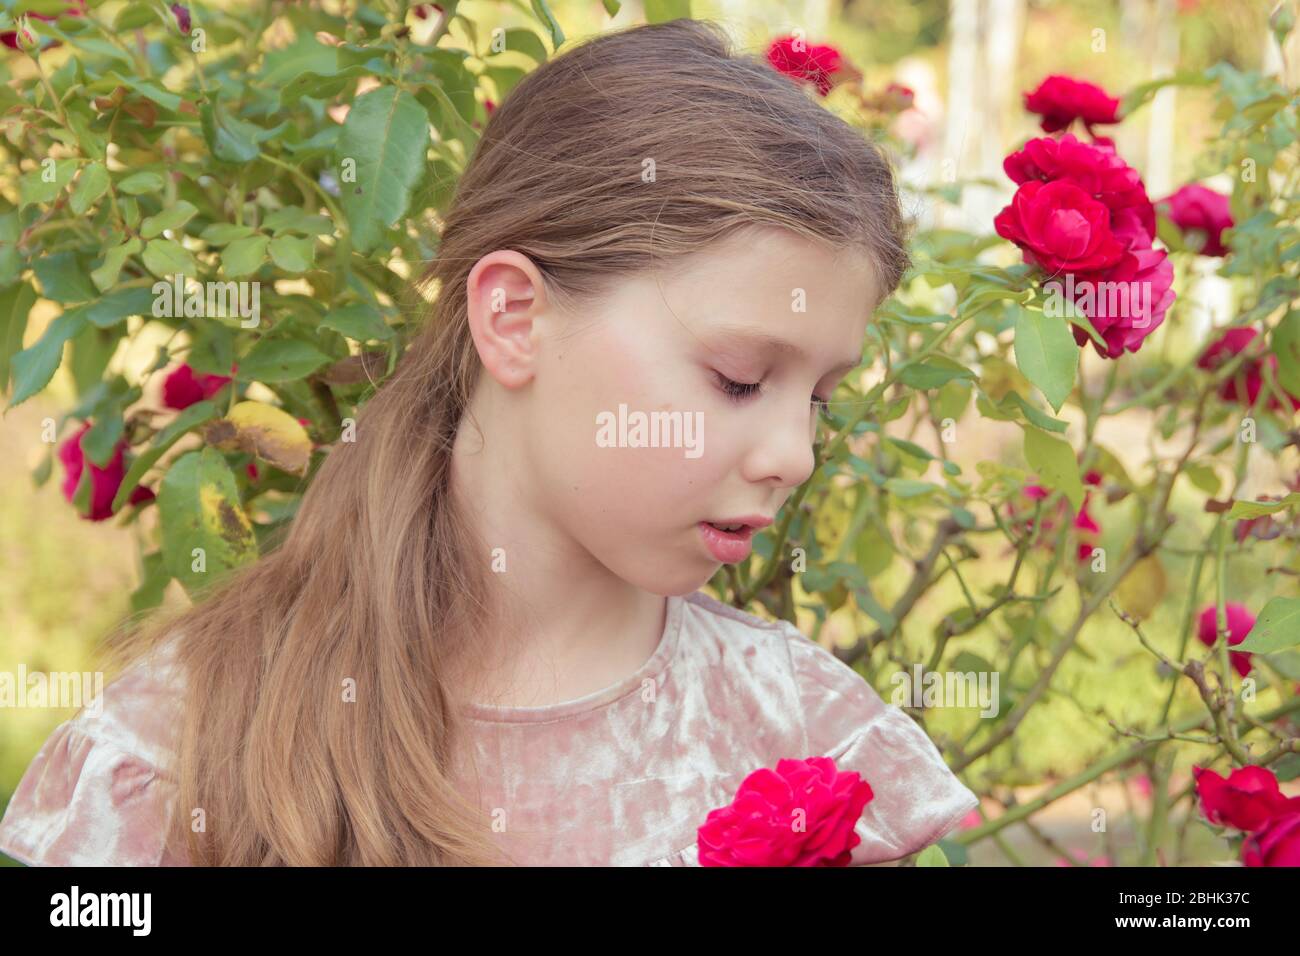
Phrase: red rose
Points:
(802, 813)
(1246, 800)
(1240, 623)
(1096, 170)
(1060, 100)
(1277, 844)
(104, 482)
(814, 64)
(1084, 524)
(182, 388)
(1201, 214)
(1230, 343)
(1126, 302)
(1060, 227)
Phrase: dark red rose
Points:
(1251, 371)
(1240, 623)
(104, 482)
(803, 813)
(1060, 100)
(1060, 227)
(1276, 844)
(1201, 215)
(1246, 800)
(182, 15)
(813, 63)
(182, 388)
(1096, 170)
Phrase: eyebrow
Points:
(775, 344)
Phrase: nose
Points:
(782, 453)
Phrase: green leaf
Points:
(116, 306)
(1286, 346)
(660, 11)
(1047, 354)
(526, 42)
(231, 139)
(932, 373)
(15, 305)
(359, 321)
(172, 217)
(612, 7)
(1276, 628)
(167, 257)
(198, 504)
(931, 856)
(62, 276)
(1257, 509)
(386, 134)
(34, 367)
(223, 233)
(154, 579)
(293, 254)
(544, 15)
(1055, 463)
(280, 360)
(910, 487)
(45, 182)
(244, 256)
(91, 184)
(137, 184)
(194, 415)
(105, 277)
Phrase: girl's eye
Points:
(738, 391)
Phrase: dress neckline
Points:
(654, 666)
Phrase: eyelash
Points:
(739, 391)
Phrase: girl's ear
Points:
(505, 295)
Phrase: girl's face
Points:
(680, 401)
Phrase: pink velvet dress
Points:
(621, 777)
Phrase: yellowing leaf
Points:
(270, 433)
(1142, 588)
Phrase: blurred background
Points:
(65, 582)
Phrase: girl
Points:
(482, 640)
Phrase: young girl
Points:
(482, 640)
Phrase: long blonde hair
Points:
(379, 578)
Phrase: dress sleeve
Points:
(94, 794)
(917, 799)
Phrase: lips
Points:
(729, 546)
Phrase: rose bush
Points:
(972, 508)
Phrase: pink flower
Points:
(1230, 343)
(1126, 302)
(1246, 800)
(1201, 215)
(182, 388)
(814, 64)
(11, 39)
(802, 813)
(1060, 100)
(1276, 844)
(1240, 623)
(104, 482)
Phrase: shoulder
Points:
(97, 792)
(826, 689)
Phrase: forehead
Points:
(776, 290)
